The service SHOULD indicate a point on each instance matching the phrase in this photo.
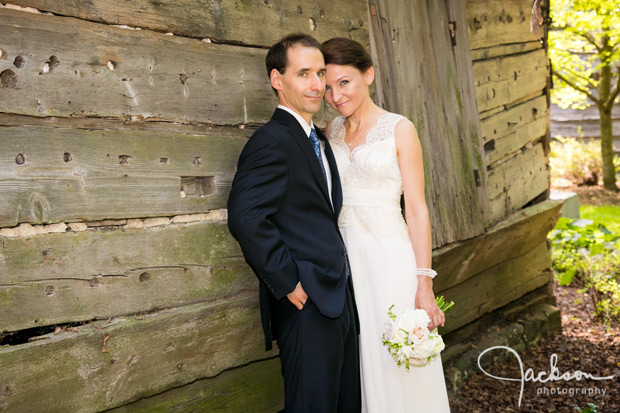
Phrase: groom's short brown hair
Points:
(277, 55)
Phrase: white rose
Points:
(425, 349)
(406, 319)
(421, 318)
(439, 344)
(406, 351)
(398, 337)
(419, 335)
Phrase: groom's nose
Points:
(317, 83)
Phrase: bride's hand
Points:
(425, 299)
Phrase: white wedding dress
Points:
(383, 268)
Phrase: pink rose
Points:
(418, 335)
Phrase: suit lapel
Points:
(299, 135)
(333, 167)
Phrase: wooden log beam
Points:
(81, 276)
(508, 240)
(128, 74)
(518, 180)
(250, 22)
(510, 130)
(491, 23)
(108, 364)
(51, 175)
(498, 286)
(256, 388)
(503, 80)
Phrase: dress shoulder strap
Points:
(337, 127)
(386, 125)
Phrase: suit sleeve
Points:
(257, 191)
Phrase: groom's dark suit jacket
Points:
(280, 212)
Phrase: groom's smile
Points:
(302, 85)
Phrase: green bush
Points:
(589, 257)
(577, 160)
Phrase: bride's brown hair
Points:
(346, 52)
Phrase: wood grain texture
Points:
(146, 355)
(492, 23)
(124, 73)
(504, 80)
(504, 50)
(71, 277)
(498, 286)
(510, 130)
(246, 22)
(255, 388)
(75, 174)
(517, 181)
(418, 77)
(508, 240)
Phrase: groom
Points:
(283, 210)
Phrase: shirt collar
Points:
(307, 128)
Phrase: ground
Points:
(585, 345)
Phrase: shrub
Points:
(576, 160)
(589, 256)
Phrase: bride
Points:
(379, 158)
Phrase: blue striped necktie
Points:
(317, 150)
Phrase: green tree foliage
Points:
(584, 47)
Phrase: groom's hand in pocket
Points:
(298, 296)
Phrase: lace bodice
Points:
(370, 177)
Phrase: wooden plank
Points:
(517, 181)
(492, 23)
(249, 22)
(431, 95)
(503, 80)
(124, 73)
(462, 57)
(510, 239)
(504, 50)
(71, 174)
(498, 286)
(512, 129)
(254, 388)
(89, 275)
(146, 355)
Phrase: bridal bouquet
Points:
(408, 339)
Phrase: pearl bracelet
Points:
(426, 271)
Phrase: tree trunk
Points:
(607, 149)
(604, 109)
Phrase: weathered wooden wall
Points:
(120, 130)
(414, 52)
(511, 74)
(120, 126)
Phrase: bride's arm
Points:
(409, 154)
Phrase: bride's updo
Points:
(346, 52)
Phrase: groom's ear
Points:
(276, 79)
